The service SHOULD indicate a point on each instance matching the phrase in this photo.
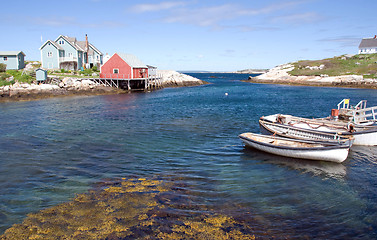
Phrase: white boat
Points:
(363, 135)
(288, 131)
(296, 148)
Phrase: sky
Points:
(188, 35)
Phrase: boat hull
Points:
(332, 153)
(362, 136)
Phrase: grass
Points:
(362, 64)
(17, 76)
(71, 73)
(27, 78)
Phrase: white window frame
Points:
(49, 54)
(117, 69)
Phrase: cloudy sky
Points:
(195, 34)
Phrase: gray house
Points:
(368, 45)
(13, 59)
(40, 75)
(68, 53)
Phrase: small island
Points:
(342, 71)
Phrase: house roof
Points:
(368, 43)
(57, 46)
(72, 41)
(92, 48)
(11, 53)
(132, 60)
(80, 45)
(83, 44)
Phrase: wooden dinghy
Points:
(288, 131)
(363, 135)
(296, 148)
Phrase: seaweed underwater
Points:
(134, 208)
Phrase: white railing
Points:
(359, 113)
(68, 59)
(345, 102)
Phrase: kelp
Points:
(135, 208)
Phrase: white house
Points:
(368, 45)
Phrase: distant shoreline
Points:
(313, 83)
(281, 75)
(76, 87)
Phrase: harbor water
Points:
(53, 149)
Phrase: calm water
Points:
(55, 148)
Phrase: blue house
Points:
(68, 53)
(13, 59)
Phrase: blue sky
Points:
(195, 34)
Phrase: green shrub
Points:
(87, 72)
(94, 68)
(3, 67)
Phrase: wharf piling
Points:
(130, 84)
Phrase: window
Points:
(116, 70)
(49, 54)
(70, 55)
(5, 58)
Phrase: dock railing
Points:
(359, 113)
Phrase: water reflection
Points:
(316, 168)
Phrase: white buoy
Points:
(226, 94)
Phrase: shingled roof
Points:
(368, 43)
(132, 60)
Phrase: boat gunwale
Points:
(364, 129)
(343, 139)
(326, 146)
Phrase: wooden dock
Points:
(135, 84)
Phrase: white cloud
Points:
(308, 17)
(72, 21)
(54, 21)
(343, 41)
(214, 15)
(219, 17)
(141, 8)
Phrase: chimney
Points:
(87, 48)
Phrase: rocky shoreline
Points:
(172, 78)
(280, 75)
(77, 86)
